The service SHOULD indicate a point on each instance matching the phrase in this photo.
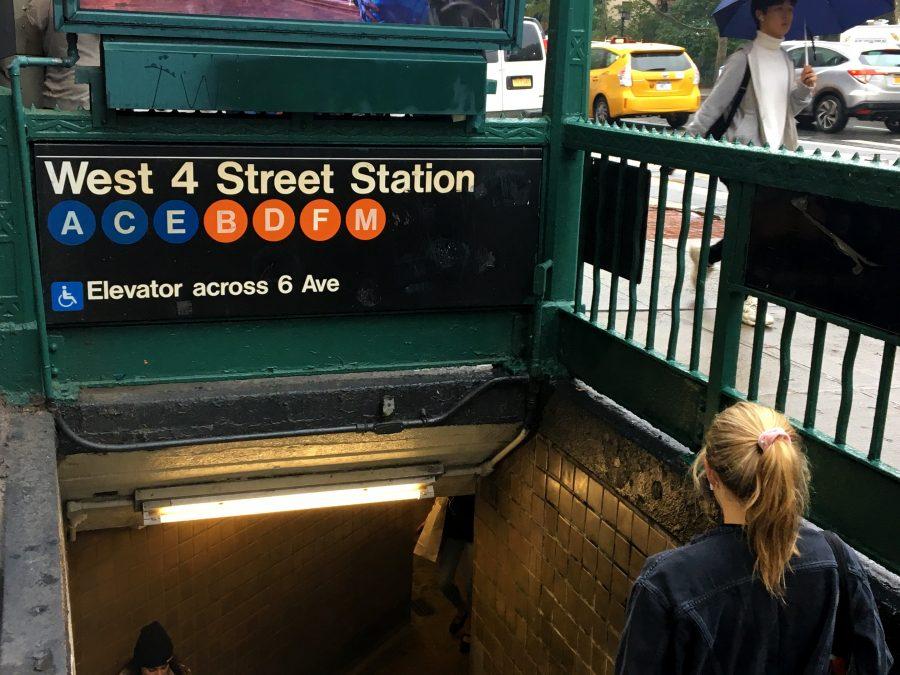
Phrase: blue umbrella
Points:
(815, 17)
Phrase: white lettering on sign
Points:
(217, 289)
(98, 181)
(313, 285)
(368, 178)
(367, 222)
(173, 218)
(319, 216)
(71, 224)
(103, 290)
(268, 225)
(235, 178)
(117, 222)
(226, 222)
(98, 290)
(75, 177)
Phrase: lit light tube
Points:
(248, 504)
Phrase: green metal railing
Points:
(689, 355)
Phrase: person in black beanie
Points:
(456, 553)
(154, 654)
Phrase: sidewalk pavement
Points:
(865, 375)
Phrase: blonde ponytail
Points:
(770, 479)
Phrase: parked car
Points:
(858, 80)
(631, 79)
(877, 33)
(519, 74)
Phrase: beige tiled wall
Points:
(288, 593)
(556, 553)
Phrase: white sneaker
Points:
(748, 316)
(694, 253)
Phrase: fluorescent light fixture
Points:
(201, 507)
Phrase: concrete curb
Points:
(35, 635)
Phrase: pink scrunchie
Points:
(767, 438)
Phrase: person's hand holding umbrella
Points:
(808, 76)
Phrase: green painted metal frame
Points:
(19, 342)
(848, 496)
(117, 355)
(143, 354)
(564, 94)
(71, 19)
(852, 492)
(872, 182)
(47, 125)
(551, 339)
(643, 381)
(140, 74)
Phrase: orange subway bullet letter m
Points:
(365, 219)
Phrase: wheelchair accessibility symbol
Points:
(67, 296)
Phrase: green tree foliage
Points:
(540, 10)
(687, 23)
(603, 23)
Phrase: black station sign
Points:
(190, 232)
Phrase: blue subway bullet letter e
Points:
(67, 296)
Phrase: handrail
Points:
(836, 176)
(743, 168)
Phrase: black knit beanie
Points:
(153, 648)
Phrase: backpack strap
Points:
(843, 626)
(721, 125)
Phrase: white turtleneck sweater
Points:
(771, 82)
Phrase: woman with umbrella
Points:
(757, 96)
(756, 99)
(771, 96)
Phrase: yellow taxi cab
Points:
(629, 79)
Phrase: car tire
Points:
(677, 120)
(893, 126)
(831, 114)
(601, 110)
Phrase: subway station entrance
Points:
(278, 285)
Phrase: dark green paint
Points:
(848, 496)
(852, 493)
(241, 349)
(872, 183)
(19, 345)
(47, 125)
(658, 391)
(230, 77)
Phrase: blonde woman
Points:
(758, 594)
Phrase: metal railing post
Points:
(727, 333)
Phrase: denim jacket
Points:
(699, 609)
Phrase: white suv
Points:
(855, 80)
(519, 74)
